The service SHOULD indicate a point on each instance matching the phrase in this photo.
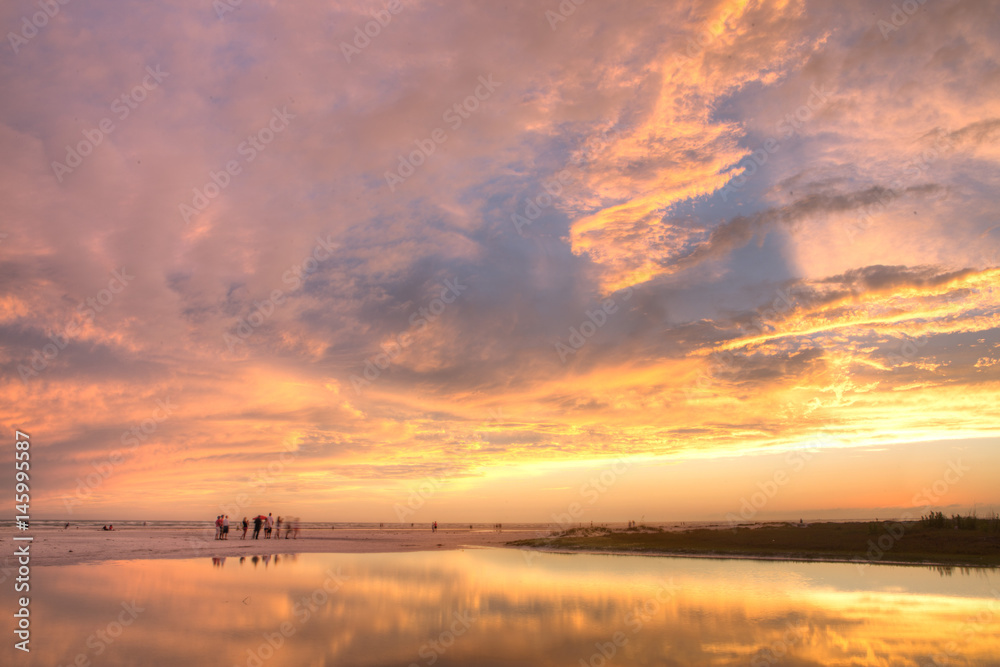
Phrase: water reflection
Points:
(266, 559)
(492, 607)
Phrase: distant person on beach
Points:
(269, 526)
(256, 526)
(277, 529)
(218, 527)
(225, 527)
(246, 524)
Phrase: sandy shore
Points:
(72, 546)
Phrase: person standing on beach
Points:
(277, 529)
(218, 527)
(256, 527)
(268, 526)
(246, 524)
(225, 527)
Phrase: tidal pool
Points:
(505, 607)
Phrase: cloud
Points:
(780, 248)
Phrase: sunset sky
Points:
(501, 261)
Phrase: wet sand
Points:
(55, 546)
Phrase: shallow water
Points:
(505, 607)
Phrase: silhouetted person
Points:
(256, 528)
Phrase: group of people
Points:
(272, 527)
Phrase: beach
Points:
(821, 541)
(58, 546)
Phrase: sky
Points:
(523, 261)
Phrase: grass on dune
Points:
(888, 541)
